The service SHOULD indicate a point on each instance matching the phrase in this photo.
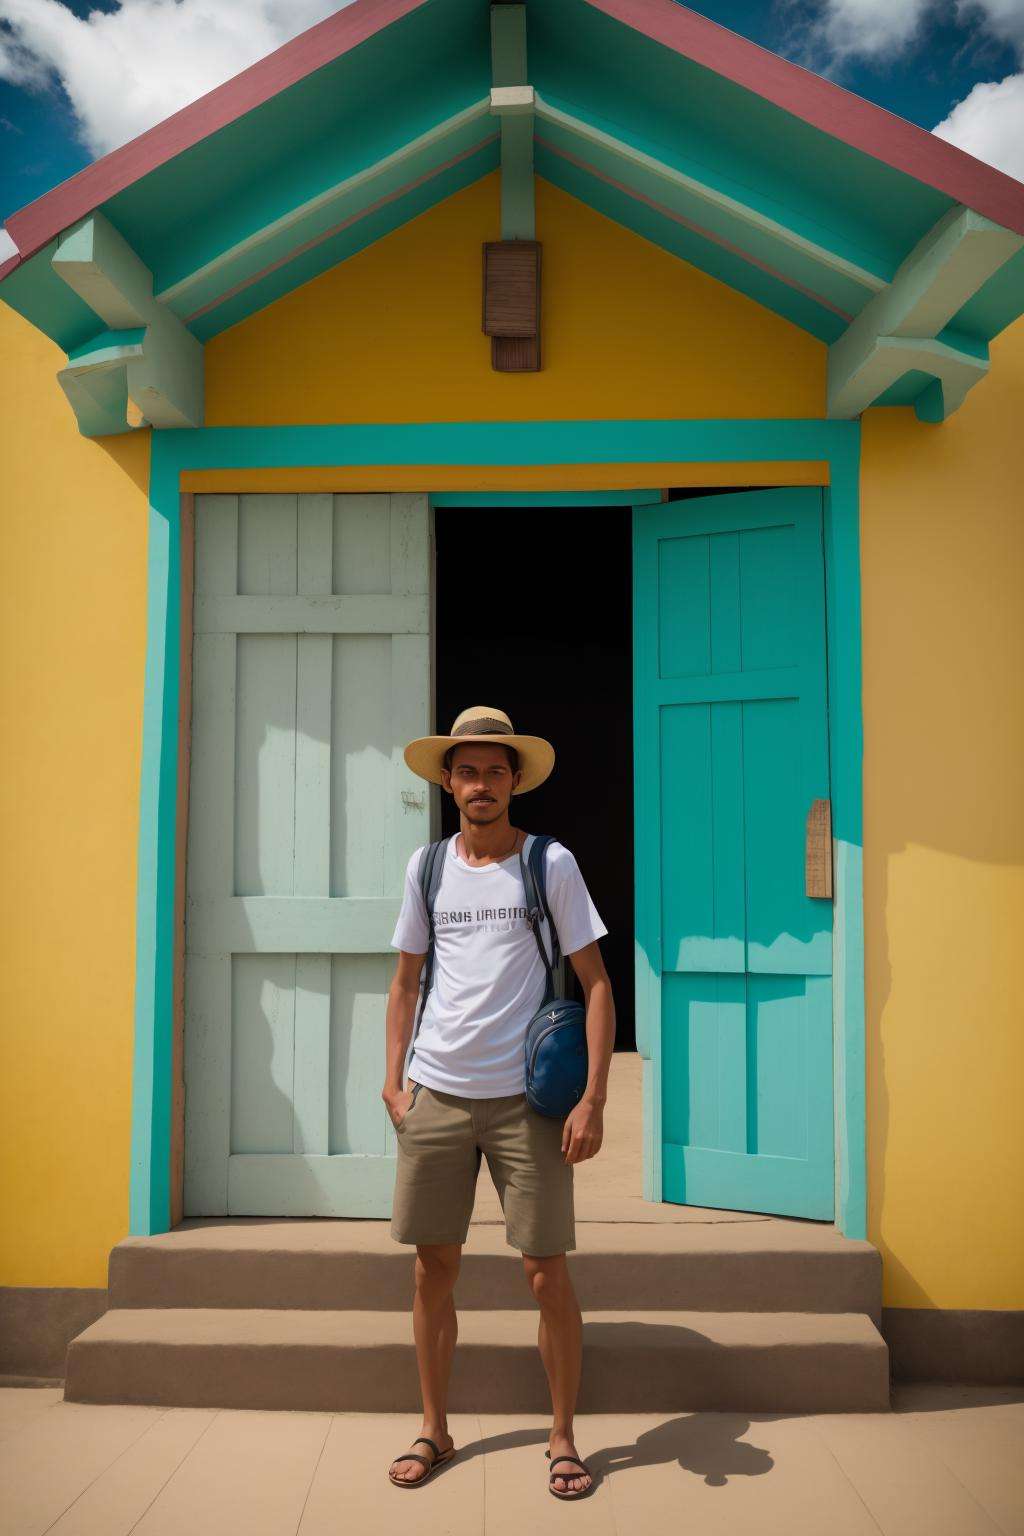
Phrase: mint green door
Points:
(311, 669)
(734, 969)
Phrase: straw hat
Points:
(480, 722)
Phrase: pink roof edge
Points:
(815, 100)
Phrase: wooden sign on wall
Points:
(511, 304)
(818, 850)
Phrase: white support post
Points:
(512, 100)
(899, 329)
(147, 368)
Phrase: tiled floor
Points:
(947, 1462)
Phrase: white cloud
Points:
(1003, 18)
(863, 29)
(127, 69)
(989, 123)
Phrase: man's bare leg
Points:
(435, 1329)
(560, 1340)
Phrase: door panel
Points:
(732, 747)
(311, 669)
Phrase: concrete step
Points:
(365, 1361)
(772, 1265)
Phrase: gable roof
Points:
(796, 192)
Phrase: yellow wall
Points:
(942, 542)
(72, 649)
(394, 334)
(628, 331)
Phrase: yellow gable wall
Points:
(72, 653)
(393, 334)
(942, 519)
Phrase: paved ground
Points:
(947, 1462)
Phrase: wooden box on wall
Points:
(511, 304)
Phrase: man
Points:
(466, 1097)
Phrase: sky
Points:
(78, 79)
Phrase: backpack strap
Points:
(539, 861)
(535, 887)
(430, 871)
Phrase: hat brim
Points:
(425, 756)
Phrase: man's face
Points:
(482, 781)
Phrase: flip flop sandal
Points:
(438, 1459)
(570, 1493)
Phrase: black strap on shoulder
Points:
(533, 871)
(539, 860)
(430, 871)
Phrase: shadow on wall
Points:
(942, 548)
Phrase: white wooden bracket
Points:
(512, 101)
(899, 329)
(146, 368)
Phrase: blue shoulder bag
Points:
(556, 1036)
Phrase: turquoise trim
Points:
(302, 198)
(472, 443)
(905, 390)
(495, 443)
(846, 747)
(108, 344)
(724, 265)
(149, 1194)
(323, 255)
(348, 113)
(997, 304)
(865, 270)
(604, 70)
(840, 271)
(348, 204)
(544, 498)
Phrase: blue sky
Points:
(78, 78)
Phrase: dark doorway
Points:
(546, 633)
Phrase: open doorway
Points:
(549, 639)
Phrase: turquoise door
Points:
(734, 973)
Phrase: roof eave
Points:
(32, 226)
(826, 106)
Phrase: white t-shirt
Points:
(488, 976)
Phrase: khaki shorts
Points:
(441, 1140)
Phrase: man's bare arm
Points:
(583, 1130)
(403, 996)
(588, 963)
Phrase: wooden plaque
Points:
(511, 288)
(818, 850)
(515, 354)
